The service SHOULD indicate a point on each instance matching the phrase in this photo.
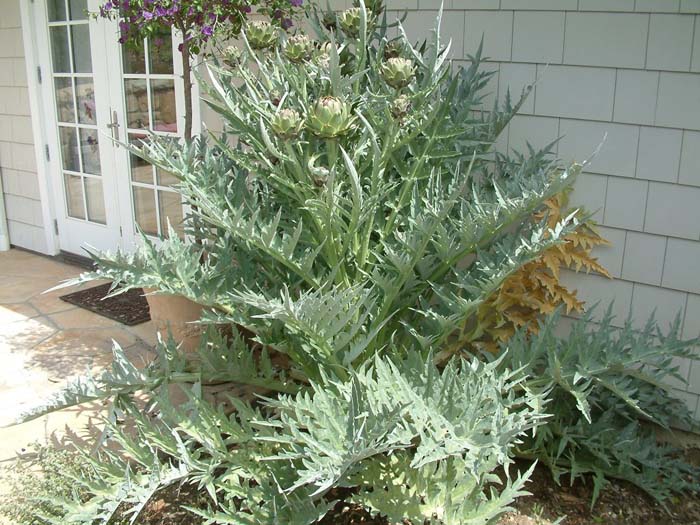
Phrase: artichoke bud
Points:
(393, 49)
(287, 123)
(350, 21)
(261, 34)
(232, 56)
(275, 98)
(330, 118)
(298, 48)
(398, 72)
(400, 107)
(329, 21)
(323, 58)
(374, 7)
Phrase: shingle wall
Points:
(626, 68)
(17, 157)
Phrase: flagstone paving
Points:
(45, 341)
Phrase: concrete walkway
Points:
(43, 342)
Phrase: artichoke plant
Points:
(348, 241)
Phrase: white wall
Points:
(17, 157)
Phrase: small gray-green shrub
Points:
(37, 485)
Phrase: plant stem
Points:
(185, 52)
(187, 79)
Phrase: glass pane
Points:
(78, 9)
(82, 60)
(145, 210)
(69, 148)
(95, 200)
(57, 10)
(165, 178)
(59, 49)
(85, 100)
(134, 60)
(160, 50)
(64, 99)
(74, 196)
(170, 210)
(163, 102)
(141, 171)
(136, 103)
(90, 149)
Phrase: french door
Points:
(98, 94)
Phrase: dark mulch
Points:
(129, 308)
(619, 504)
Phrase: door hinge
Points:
(121, 234)
(55, 226)
(38, 73)
(46, 150)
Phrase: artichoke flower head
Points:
(374, 7)
(330, 117)
(398, 72)
(287, 123)
(232, 56)
(400, 107)
(261, 34)
(350, 21)
(298, 48)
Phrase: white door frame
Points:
(38, 111)
(42, 109)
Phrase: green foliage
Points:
(600, 381)
(413, 441)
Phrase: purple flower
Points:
(286, 23)
(207, 30)
(296, 3)
(108, 6)
(160, 11)
(147, 15)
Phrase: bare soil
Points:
(619, 504)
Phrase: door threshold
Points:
(76, 260)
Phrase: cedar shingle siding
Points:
(17, 156)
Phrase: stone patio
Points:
(43, 342)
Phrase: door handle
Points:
(114, 125)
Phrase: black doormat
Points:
(129, 308)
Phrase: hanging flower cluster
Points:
(197, 20)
